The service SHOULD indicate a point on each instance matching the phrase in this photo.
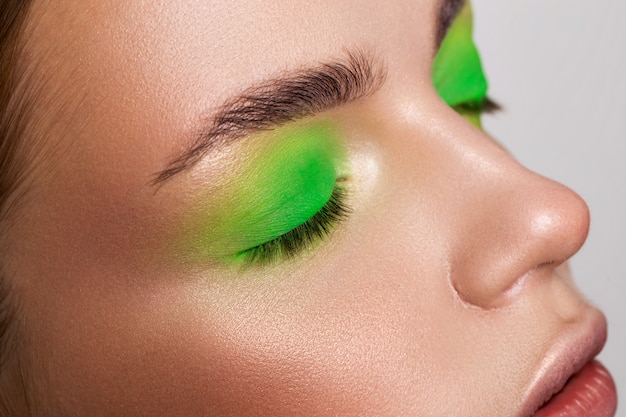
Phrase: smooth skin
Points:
(438, 296)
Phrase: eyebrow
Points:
(448, 10)
(293, 96)
(272, 103)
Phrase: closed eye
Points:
(303, 236)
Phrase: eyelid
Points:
(457, 72)
(286, 180)
(302, 237)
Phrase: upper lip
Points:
(576, 347)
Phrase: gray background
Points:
(559, 68)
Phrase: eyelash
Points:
(484, 106)
(302, 237)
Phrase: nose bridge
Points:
(513, 224)
(499, 223)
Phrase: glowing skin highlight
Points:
(458, 74)
(283, 185)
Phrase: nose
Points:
(514, 225)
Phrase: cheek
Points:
(372, 331)
(298, 344)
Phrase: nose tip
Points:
(559, 223)
(530, 230)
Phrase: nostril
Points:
(531, 234)
(548, 264)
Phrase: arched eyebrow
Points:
(300, 94)
(281, 100)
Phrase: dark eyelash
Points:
(302, 237)
(486, 105)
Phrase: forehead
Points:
(227, 40)
(152, 70)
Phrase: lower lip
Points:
(589, 393)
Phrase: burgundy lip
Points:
(576, 348)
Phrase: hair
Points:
(14, 104)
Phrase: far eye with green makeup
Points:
(458, 74)
(288, 196)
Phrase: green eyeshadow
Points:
(458, 74)
(290, 176)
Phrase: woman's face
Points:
(358, 250)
